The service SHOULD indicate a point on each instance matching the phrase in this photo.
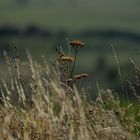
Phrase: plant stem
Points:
(75, 56)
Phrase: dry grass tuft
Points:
(44, 108)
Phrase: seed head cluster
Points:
(67, 59)
(77, 43)
(80, 76)
(67, 74)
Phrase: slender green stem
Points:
(75, 56)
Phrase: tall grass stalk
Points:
(121, 78)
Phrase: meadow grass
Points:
(39, 102)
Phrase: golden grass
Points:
(43, 108)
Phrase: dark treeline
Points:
(32, 30)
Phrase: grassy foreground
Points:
(45, 107)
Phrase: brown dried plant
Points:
(68, 63)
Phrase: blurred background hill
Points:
(42, 25)
(73, 14)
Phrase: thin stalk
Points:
(69, 50)
(75, 57)
(120, 75)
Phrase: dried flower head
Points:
(67, 59)
(79, 76)
(84, 75)
(77, 43)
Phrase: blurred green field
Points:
(74, 15)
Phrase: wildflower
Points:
(67, 59)
(77, 43)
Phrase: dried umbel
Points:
(66, 59)
(77, 43)
(68, 62)
(84, 75)
(79, 76)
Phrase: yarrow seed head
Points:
(79, 76)
(67, 59)
(77, 43)
(84, 75)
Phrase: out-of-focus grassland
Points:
(79, 15)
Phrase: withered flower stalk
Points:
(76, 44)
